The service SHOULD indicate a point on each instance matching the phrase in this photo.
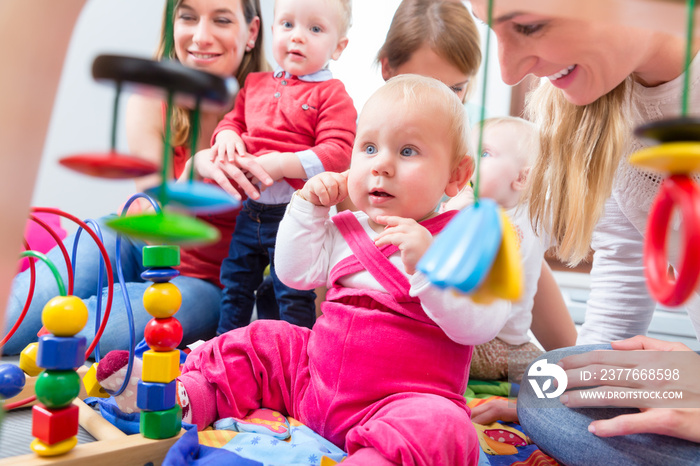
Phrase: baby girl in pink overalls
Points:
(383, 372)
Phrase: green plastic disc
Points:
(166, 228)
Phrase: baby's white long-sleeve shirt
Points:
(309, 245)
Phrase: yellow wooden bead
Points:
(64, 316)
(161, 367)
(92, 386)
(505, 279)
(162, 300)
(27, 360)
(42, 449)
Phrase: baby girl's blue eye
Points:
(370, 149)
(315, 29)
(286, 24)
(486, 154)
(408, 151)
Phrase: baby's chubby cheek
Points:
(354, 192)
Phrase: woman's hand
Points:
(496, 410)
(644, 356)
(326, 189)
(224, 172)
(409, 236)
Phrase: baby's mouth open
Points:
(380, 194)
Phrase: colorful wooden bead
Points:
(92, 386)
(163, 334)
(11, 380)
(27, 360)
(54, 425)
(161, 256)
(162, 367)
(64, 316)
(160, 275)
(161, 424)
(56, 389)
(156, 396)
(61, 353)
(42, 449)
(162, 300)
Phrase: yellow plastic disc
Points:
(64, 316)
(673, 158)
(42, 449)
(162, 300)
(505, 280)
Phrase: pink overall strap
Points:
(354, 234)
(369, 256)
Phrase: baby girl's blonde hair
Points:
(421, 91)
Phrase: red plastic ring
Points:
(681, 192)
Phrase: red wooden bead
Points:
(163, 334)
(54, 425)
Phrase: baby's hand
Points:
(409, 236)
(228, 144)
(463, 199)
(326, 189)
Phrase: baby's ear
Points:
(460, 175)
(521, 182)
(342, 43)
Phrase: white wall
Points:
(81, 119)
(82, 114)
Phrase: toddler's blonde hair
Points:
(345, 16)
(345, 10)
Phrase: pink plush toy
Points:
(111, 372)
(39, 239)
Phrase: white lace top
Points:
(620, 305)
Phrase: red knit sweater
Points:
(289, 115)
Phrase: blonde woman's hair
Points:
(252, 61)
(421, 91)
(580, 150)
(446, 26)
